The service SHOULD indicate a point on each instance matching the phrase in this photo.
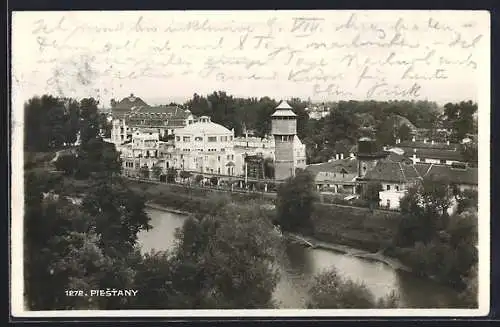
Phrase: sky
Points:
(440, 56)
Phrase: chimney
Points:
(398, 140)
(336, 156)
(432, 142)
(425, 140)
(448, 142)
(413, 139)
(341, 156)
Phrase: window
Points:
(228, 157)
(178, 138)
(218, 171)
(186, 139)
(212, 139)
(397, 188)
(388, 187)
(388, 203)
(218, 158)
(198, 138)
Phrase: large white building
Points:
(132, 113)
(202, 147)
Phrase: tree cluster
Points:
(296, 197)
(436, 243)
(329, 290)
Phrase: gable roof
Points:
(349, 165)
(130, 102)
(391, 171)
(467, 176)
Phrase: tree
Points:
(49, 122)
(171, 175)
(90, 120)
(470, 153)
(144, 172)
(97, 156)
(459, 117)
(331, 291)
(404, 133)
(156, 171)
(295, 202)
(185, 175)
(118, 213)
(67, 163)
(268, 168)
(224, 261)
(372, 193)
(198, 179)
(470, 295)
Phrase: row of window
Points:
(200, 139)
(284, 138)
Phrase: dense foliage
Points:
(434, 242)
(221, 260)
(331, 291)
(296, 197)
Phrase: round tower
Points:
(284, 129)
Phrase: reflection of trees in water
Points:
(298, 261)
(416, 292)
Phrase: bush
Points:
(330, 291)
(67, 163)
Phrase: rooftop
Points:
(349, 165)
(284, 110)
(204, 126)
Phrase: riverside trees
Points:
(434, 243)
(295, 203)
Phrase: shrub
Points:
(67, 163)
(330, 291)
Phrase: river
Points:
(301, 263)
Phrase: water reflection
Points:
(299, 265)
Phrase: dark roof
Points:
(349, 165)
(438, 154)
(427, 145)
(398, 157)
(467, 176)
(130, 102)
(390, 171)
(160, 111)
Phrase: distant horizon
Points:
(157, 101)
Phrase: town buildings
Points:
(201, 146)
(132, 113)
(394, 170)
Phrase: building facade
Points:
(203, 147)
(132, 113)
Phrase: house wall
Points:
(391, 199)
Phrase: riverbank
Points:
(166, 209)
(314, 243)
(358, 253)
